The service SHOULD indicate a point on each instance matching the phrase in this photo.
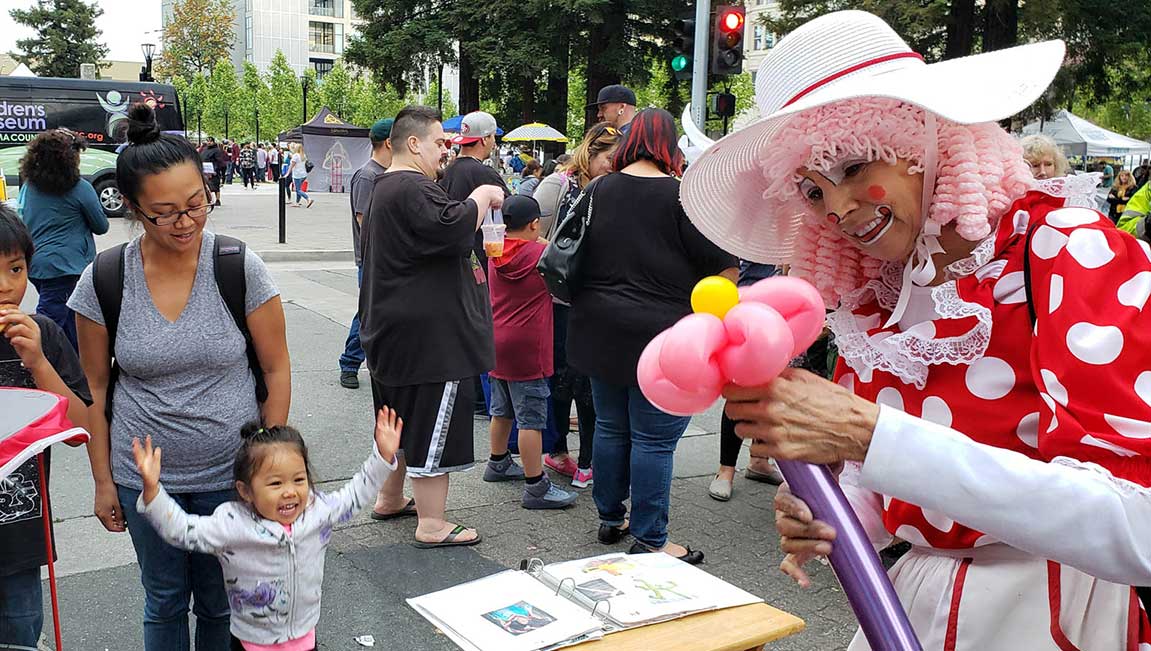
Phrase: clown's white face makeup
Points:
(877, 206)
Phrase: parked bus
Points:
(98, 109)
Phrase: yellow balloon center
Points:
(714, 295)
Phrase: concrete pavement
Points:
(371, 568)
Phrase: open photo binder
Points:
(542, 607)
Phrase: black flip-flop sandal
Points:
(408, 510)
(450, 540)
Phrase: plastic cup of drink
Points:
(494, 239)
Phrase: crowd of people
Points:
(977, 390)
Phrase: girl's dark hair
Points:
(652, 137)
(531, 168)
(14, 236)
(149, 151)
(255, 439)
(52, 162)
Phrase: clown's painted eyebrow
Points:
(840, 170)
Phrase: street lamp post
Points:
(226, 136)
(148, 49)
(199, 131)
(256, 109)
(304, 85)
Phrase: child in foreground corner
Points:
(272, 542)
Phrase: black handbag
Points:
(560, 263)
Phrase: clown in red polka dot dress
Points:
(1074, 384)
(993, 404)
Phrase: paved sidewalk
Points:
(322, 232)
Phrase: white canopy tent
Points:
(21, 71)
(1078, 137)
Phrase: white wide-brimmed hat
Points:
(833, 58)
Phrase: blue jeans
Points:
(634, 450)
(171, 577)
(21, 609)
(353, 356)
(299, 185)
(54, 293)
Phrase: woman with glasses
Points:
(62, 212)
(183, 376)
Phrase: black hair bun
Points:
(251, 429)
(142, 126)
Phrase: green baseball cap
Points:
(381, 130)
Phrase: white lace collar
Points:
(908, 354)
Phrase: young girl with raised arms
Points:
(271, 543)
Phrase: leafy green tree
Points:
(433, 99)
(253, 106)
(284, 105)
(336, 90)
(66, 36)
(400, 38)
(198, 36)
(223, 88)
(371, 102)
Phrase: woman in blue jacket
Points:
(62, 212)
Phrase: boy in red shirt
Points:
(522, 317)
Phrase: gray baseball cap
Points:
(475, 126)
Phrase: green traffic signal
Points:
(679, 63)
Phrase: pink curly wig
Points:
(981, 172)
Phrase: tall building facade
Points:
(310, 33)
(757, 40)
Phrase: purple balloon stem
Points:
(868, 589)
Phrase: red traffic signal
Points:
(732, 19)
(727, 40)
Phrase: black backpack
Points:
(227, 258)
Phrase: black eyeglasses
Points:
(169, 218)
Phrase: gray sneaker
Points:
(506, 470)
(545, 495)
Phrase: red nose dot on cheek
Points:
(876, 192)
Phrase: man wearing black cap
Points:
(363, 181)
(616, 106)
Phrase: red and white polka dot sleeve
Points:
(1091, 354)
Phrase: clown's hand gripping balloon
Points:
(746, 337)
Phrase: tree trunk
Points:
(1002, 27)
(555, 111)
(960, 29)
(604, 36)
(528, 99)
(469, 85)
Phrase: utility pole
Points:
(700, 63)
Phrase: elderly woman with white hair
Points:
(992, 402)
(1044, 156)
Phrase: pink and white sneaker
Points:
(582, 478)
(567, 467)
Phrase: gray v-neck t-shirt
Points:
(186, 383)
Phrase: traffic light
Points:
(683, 48)
(723, 105)
(727, 40)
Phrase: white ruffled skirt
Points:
(995, 598)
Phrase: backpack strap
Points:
(228, 258)
(108, 281)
